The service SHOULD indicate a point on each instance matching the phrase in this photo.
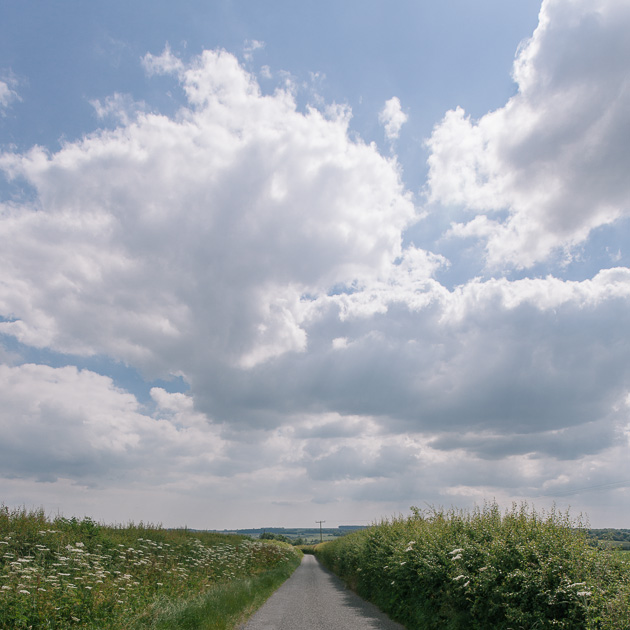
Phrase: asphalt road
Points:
(315, 599)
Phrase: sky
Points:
(266, 264)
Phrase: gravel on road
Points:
(315, 599)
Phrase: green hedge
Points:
(485, 569)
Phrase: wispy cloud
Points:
(392, 118)
(8, 94)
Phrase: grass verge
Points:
(64, 574)
(224, 607)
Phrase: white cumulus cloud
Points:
(554, 157)
(392, 118)
(169, 241)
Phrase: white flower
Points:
(459, 577)
(457, 557)
(25, 591)
(584, 593)
(455, 551)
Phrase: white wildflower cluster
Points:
(69, 574)
(456, 553)
(583, 592)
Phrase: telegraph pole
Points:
(320, 530)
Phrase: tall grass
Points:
(64, 573)
(485, 569)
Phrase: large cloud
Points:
(167, 241)
(76, 425)
(554, 158)
(256, 250)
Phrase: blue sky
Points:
(266, 263)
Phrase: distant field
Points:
(299, 535)
(78, 574)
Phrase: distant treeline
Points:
(621, 535)
(615, 538)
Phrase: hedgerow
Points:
(485, 569)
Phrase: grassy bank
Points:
(221, 607)
(482, 570)
(64, 573)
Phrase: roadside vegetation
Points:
(68, 573)
(485, 569)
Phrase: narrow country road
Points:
(315, 599)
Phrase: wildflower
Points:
(457, 557)
(584, 593)
(401, 564)
(25, 591)
(467, 583)
(459, 577)
(455, 551)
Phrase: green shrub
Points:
(485, 570)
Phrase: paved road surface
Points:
(315, 599)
